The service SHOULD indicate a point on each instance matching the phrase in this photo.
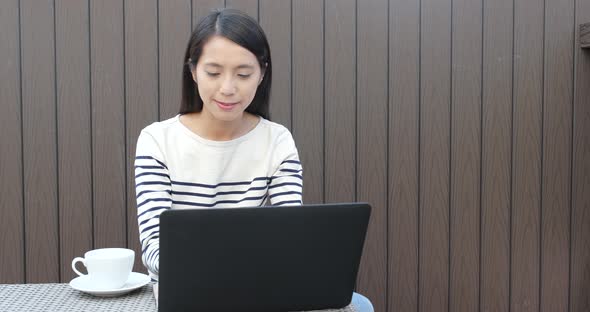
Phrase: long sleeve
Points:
(153, 191)
(286, 184)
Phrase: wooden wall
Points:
(466, 124)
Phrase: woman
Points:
(221, 150)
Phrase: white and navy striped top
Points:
(175, 168)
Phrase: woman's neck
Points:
(218, 130)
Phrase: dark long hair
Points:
(241, 29)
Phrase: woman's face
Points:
(227, 76)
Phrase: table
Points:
(61, 297)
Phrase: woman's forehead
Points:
(222, 52)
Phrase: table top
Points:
(61, 297)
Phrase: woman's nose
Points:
(228, 87)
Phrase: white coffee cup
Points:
(108, 268)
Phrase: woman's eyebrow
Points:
(246, 66)
(213, 64)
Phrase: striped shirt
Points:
(175, 168)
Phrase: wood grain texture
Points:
(557, 155)
(527, 155)
(74, 134)
(340, 105)
(249, 7)
(141, 97)
(585, 35)
(434, 155)
(308, 95)
(275, 19)
(496, 155)
(174, 29)
(372, 117)
(39, 141)
(108, 122)
(580, 217)
(404, 97)
(12, 244)
(465, 156)
(203, 7)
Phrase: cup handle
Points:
(78, 259)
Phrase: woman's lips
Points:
(225, 105)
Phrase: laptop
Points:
(283, 258)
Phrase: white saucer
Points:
(135, 281)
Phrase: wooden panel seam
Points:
(585, 35)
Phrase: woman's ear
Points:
(262, 73)
(193, 68)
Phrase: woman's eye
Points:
(212, 74)
(244, 76)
